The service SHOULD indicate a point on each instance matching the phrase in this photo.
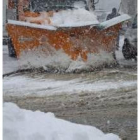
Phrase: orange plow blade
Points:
(74, 41)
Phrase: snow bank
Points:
(22, 124)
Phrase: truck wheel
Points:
(11, 49)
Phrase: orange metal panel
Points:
(78, 41)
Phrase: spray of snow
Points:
(93, 61)
(22, 124)
(37, 58)
(61, 61)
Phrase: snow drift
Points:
(22, 124)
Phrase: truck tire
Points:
(129, 51)
(11, 49)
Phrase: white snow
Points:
(20, 124)
(93, 61)
(37, 58)
(74, 18)
(57, 60)
(61, 61)
(41, 85)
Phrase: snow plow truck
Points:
(50, 26)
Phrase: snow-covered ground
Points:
(22, 124)
(115, 86)
(21, 85)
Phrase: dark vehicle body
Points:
(129, 49)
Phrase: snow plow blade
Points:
(74, 41)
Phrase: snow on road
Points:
(108, 84)
(21, 85)
(20, 124)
